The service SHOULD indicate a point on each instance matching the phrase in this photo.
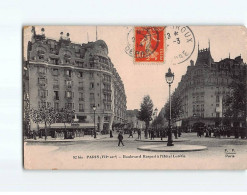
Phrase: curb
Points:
(174, 140)
(176, 148)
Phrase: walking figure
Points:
(131, 134)
(139, 134)
(120, 139)
(152, 134)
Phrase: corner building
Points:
(63, 74)
(204, 87)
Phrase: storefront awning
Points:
(69, 125)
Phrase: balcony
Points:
(41, 73)
(69, 99)
(107, 100)
(43, 97)
(107, 90)
(42, 85)
(56, 98)
(68, 86)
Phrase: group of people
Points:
(221, 131)
(163, 132)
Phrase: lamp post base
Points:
(170, 144)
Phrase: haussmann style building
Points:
(77, 77)
(204, 87)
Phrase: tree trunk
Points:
(146, 130)
(45, 131)
(64, 136)
(40, 132)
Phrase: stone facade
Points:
(133, 121)
(205, 85)
(63, 74)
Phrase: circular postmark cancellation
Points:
(130, 43)
(180, 43)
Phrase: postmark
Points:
(180, 43)
(129, 49)
(149, 44)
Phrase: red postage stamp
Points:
(149, 44)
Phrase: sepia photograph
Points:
(134, 97)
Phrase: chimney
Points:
(191, 62)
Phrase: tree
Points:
(176, 107)
(66, 116)
(27, 115)
(235, 102)
(35, 116)
(145, 112)
(159, 120)
(46, 115)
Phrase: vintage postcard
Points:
(134, 97)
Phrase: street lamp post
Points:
(156, 112)
(94, 109)
(169, 79)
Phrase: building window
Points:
(69, 106)
(55, 82)
(81, 97)
(43, 93)
(91, 85)
(42, 104)
(56, 95)
(217, 105)
(81, 74)
(217, 114)
(68, 73)
(56, 106)
(68, 84)
(42, 81)
(55, 72)
(217, 98)
(91, 75)
(42, 70)
(68, 94)
(81, 108)
(92, 96)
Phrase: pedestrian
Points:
(152, 134)
(131, 134)
(149, 133)
(34, 135)
(120, 138)
(175, 133)
(111, 136)
(161, 134)
(139, 134)
(210, 131)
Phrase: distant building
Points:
(133, 121)
(204, 87)
(63, 74)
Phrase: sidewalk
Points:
(76, 139)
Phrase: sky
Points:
(149, 79)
